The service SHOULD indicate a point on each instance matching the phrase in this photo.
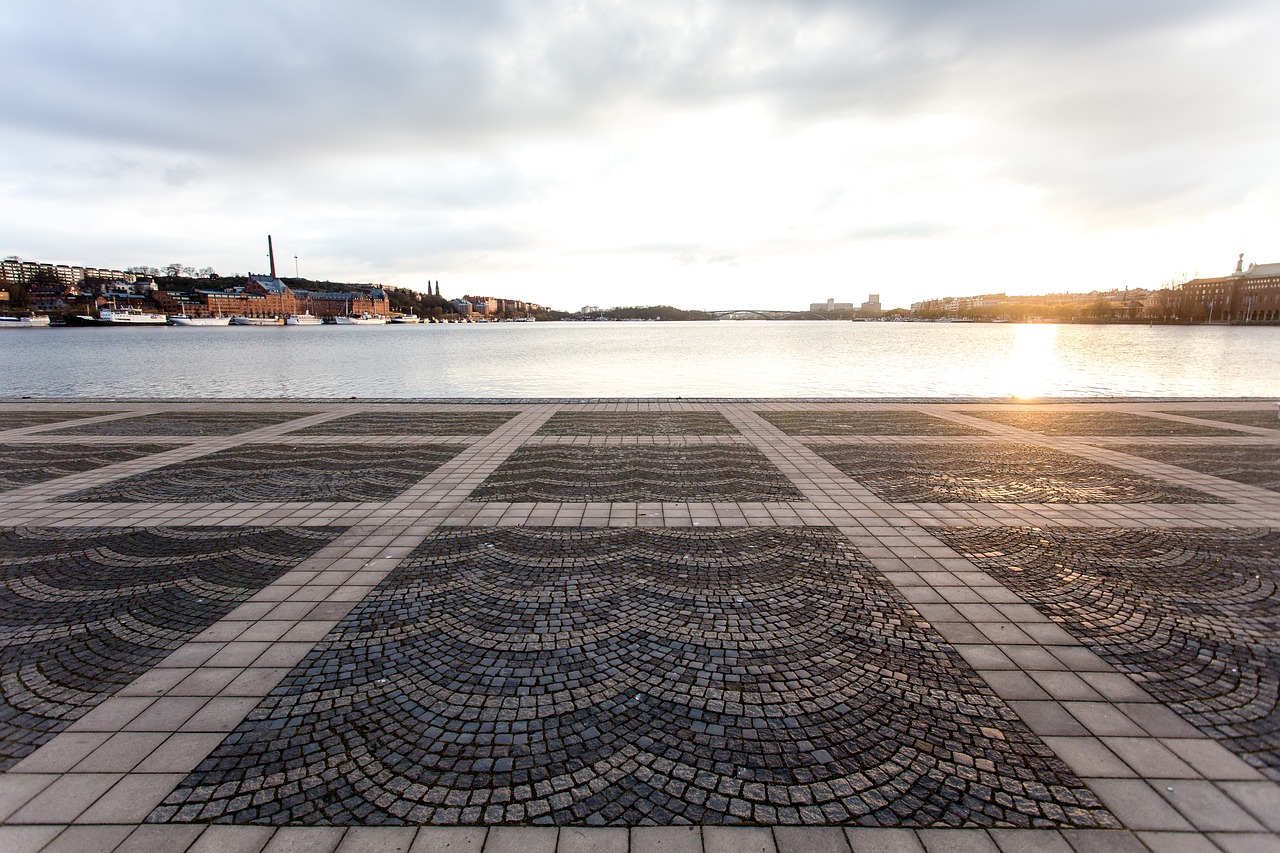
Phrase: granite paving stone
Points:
(583, 474)
(25, 464)
(282, 472)
(996, 473)
(633, 676)
(182, 423)
(412, 423)
(1256, 465)
(637, 423)
(1192, 615)
(887, 422)
(85, 611)
(1094, 423)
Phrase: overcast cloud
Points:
(706, 154)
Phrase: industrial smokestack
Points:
(271, 253)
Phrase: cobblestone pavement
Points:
(1094, 423)
(27, 464)
(411, 423)
(85, 612)
(995, 473)
(1252, 464)
(637, 423)
(180, 423)
(693, 472)
(1193, 615)
(282, 472)
(632, 676)
(20, 420)
(1263, 419)
(490, 626)
(866, 423)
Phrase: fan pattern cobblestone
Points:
(1253, 464)
(1095, 423)
(637, 423)
(411, 423)
(182, 423)
(866, 423)
(25, 464)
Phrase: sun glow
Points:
(1031, 360)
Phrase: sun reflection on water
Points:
(1030, 363)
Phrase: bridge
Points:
(767, 314)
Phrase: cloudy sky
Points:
(748, 154)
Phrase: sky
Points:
(700, 153)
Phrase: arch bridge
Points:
(767, 314)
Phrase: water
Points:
(717, 359)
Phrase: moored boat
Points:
(362, 319)
(130, 317)
(304, 319)
(32, 322)
(257, 321)
(185, 320)
(405, 318)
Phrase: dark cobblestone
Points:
(85, 611)
(1265, 418)
(996, 473)
(183, 423)
(1252, 464)
(866, 423)
(1192, 615)
(282, 472)
(637, 423)
(633, 676)
(25, 464)
(1094, 423)
(20, 420)
(735, 472)
(412, 423)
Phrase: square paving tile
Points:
(637, 423)
(282, 472)
(411, 423)
(1257, 465)
(866, 423)
(634, 676)
(732, 472)
(85, 611)
(19, 419)
(1094, 423)
(996, 473)
(183, 423)
(25, 464)
(1192, 615)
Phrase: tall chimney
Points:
(271, 253)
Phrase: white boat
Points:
(405, 318)
(185, 320)
(131, 317)
(32, 322)
(364, 319)
(257, 321)
(305, 319)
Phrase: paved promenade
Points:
(652, 626)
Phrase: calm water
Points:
(724, 359)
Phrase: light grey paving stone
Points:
(17, 789)
(180, 753)
(1206, 807)
(866, 840)
(1088, 757)
(449, 839)
(593, 839)
(1103, 720)
(377, 839)
(1049, 719)
(160, 839)
(62, 753)
(1029, 841)
(810, 839)
(664, 839)
(1159, 721)
(131, 799)
(121, 752)
(89, 839)
(305, 839)
(1260, 799)
(957, 841)
(520, 839)
(1178, 842)
(26, 839)
(1232, 842)
(1211, 759)
(65, 799)
(1015, 686)
(233, 839)
(1103, 841)
(1149, 758)
(1137, 805)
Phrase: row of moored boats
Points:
(134, 317)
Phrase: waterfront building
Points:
(871, 308)
(1245, 296)
(830, 306)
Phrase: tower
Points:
(271, 253)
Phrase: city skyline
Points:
(707, 156)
